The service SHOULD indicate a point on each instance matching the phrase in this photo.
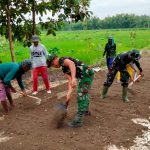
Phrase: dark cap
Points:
(135, 54)
(50, 57)
(27, 63)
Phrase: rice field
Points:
(87, 45)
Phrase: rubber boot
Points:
(124, 94)
(77, 122)
(4, 105)
(104, 92)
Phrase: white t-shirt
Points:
(38, 55)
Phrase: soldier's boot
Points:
(104, 92)
(124, 94)
(77, 122)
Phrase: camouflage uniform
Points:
(119, 64)
(84, 86)
(85, 78)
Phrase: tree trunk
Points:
(10, 35)
(33, 17)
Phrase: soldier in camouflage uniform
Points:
(75, 69)
(119, 64)
(110, 51)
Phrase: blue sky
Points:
(105, 8)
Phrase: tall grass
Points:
(85, 45)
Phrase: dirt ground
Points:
(29, 125)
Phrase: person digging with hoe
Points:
(75, 70)
(119, 64)
(8, 72)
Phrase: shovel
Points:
(60, 114)
(60, 111)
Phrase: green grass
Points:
(85, 45)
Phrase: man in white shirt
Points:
(38, 54)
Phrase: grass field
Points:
(85, 45)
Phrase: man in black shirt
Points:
(110, 51)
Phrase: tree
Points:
(10, 11)
(70, 10)
(15, 26)
(61, 10)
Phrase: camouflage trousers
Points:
(84, 87)
(123, 74)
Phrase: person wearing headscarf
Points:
(110, 52)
